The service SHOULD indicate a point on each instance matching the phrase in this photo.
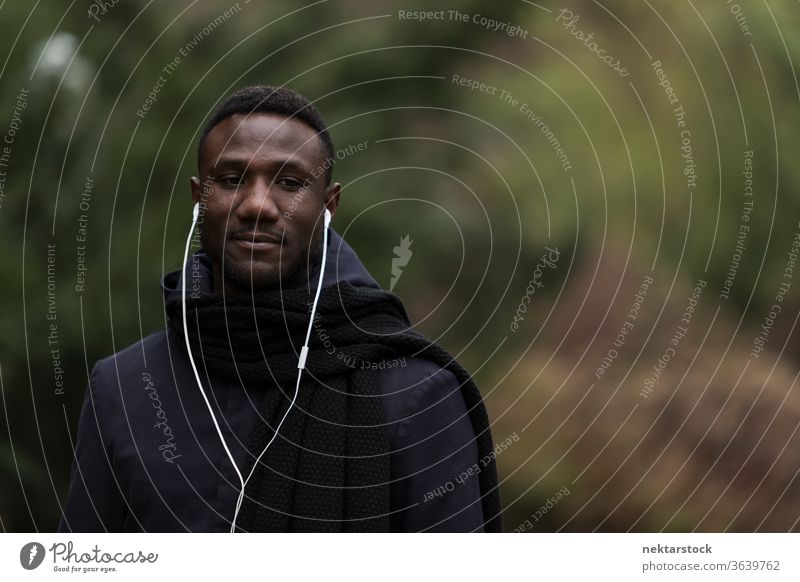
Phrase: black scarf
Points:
(328, 469)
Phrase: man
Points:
(378, 429)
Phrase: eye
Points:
(291, 184)
(228, 180)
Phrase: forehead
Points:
(262, 135)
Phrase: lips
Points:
(256, 237)
(255, 241)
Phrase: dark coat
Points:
(148, 458)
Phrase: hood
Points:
(341, 264)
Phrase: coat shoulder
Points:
(148, 355)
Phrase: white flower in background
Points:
(56, 58)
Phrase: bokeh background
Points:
(566, 216)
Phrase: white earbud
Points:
(327, 218)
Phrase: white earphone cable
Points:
(300, 364)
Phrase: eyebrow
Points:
(243, 163)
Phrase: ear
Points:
(331, 198)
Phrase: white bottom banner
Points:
(390, 557)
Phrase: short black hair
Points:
(269, 99)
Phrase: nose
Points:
(255, 202)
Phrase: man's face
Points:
(263, 183)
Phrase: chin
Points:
(246, 277)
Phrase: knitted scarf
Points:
(328, 469)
